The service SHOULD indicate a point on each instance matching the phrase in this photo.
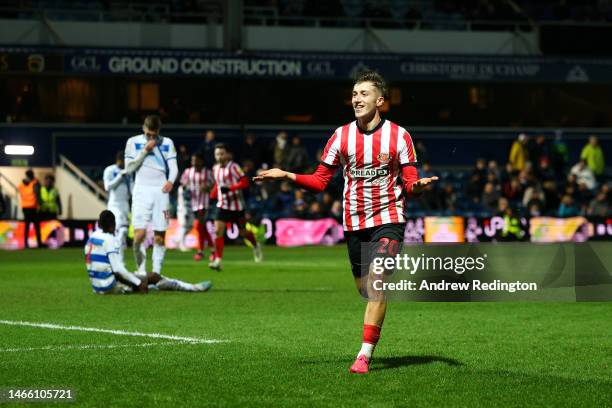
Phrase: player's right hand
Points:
(272, 174)
(150, 145)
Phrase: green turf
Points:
(293, 326)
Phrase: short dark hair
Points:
(152, 122)
(199, 155)
(222, 146)
(106, 221)
(50, 177)
(120, 155)
(375, 78)
(29, 173)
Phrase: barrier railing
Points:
(83, 178)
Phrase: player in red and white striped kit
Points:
(198, 181)
(374, 154)
(229, 183)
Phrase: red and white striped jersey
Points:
(194, 181)
(371, 164)
(227, 176)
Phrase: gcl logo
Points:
(320, 68)
(85, 63)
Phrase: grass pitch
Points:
(290, 329)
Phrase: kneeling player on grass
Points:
(374, 153)
(229, 183)
(108, 274)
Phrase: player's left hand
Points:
(420, 184)
(167, 187)
(225, 189)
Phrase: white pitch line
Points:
(108, 331)
(90, 346)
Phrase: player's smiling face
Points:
(366, 100)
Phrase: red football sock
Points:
(219, 246)
(201, 227)
(371, 334)
(250, 237)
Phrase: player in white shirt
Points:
(152, 158)
(119, 186)
(108, 274)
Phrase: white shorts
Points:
(121, 213)
(150, 206)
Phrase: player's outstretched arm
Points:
(316, 182)
(411, 180)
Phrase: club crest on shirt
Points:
(383, 157)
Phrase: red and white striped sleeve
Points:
(237, 171)
(331, 153)
(406, 152)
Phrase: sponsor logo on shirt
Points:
(365, 173)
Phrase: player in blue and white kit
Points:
(108, 274)
(119, 186)
(152, 158)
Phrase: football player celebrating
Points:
(229, 183)
(374, 154)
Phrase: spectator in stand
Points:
(448, 198)
(545, 172)
(336, 211)
(507, 174)
(593, 155)
(559, 155)
(534, 210)
(567, 208)
(583, 196)
(599, 206)
(29, 197)
(474, 187)
(490, 197)
(284, 200)
(502, 206)
(251, 151)
(183, 160)
(518, 153)
(279, 149)
(207, 148)
(314, 211)
(297, 156)
(513, 190)
(50, 202)
(481, 169)
(537, 150)
(421, 152)
(533, 195)
(493, 168)
(299, 204)
(327, 201)
(583, 174)
(426, 171)
(429, 199)
(551, 197)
